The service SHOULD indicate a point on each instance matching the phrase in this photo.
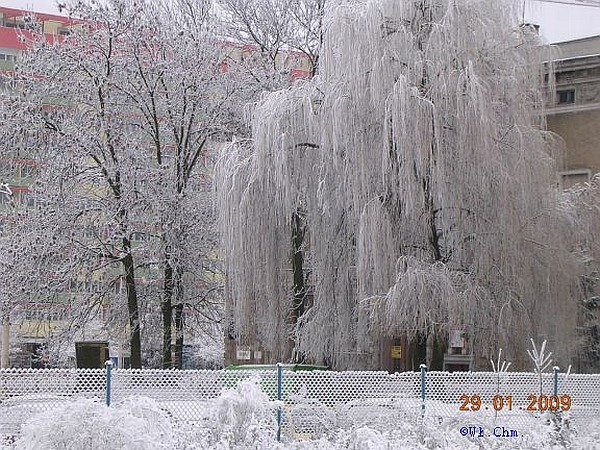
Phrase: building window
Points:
(570, 178)
(566, 96)
(89, 232)
(27, 200)
(8, 57)
(27, 169)
(139, 236)
(5, 198)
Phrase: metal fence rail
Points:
(321, 401)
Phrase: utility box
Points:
(91, 354)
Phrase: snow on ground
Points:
(244, 419)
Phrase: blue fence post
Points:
(279, 397)
(108, 365)
(556, 370)
(423, 385)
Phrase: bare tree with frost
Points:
(182, 109)
(128, 106)
(276, 31)
(419, 160)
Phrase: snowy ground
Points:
(244, 419)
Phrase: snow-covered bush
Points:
(241, 418)
(244, 419)
(134, 424)
(367, 439)
(245, 414)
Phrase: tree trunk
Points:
(167, 314)
(179, 336)
(5, 342)
(429, 349)
(178, 319)
(298, 305)
(132, 306)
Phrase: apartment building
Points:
(574, 113)
(18, 172)
(13, 20)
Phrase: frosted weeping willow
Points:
(419, 163)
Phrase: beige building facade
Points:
(574, 112)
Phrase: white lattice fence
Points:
(183, 393)
(25, 392)
(320, 402)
